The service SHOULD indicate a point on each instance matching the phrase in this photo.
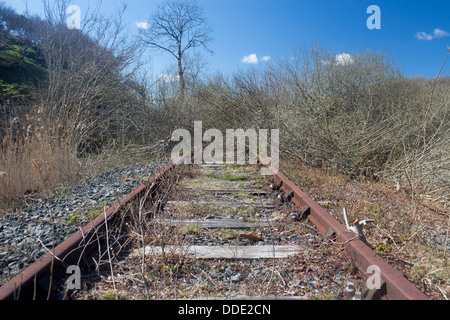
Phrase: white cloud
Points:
(437, 33)
(423, 36)
(265, 58)
(142, 25)
(251, 58)
(343, 59)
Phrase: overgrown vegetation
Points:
(80, 92)
(74, 103)
(412, 237)
(362, 117)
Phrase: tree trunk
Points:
(181, 75)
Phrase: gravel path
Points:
(30, 233)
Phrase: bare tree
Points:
(176, 27)
(87, 96)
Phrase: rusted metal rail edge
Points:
(394, 286)
(36, 281)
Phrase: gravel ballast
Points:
(30, 233)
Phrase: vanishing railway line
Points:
(213, 231)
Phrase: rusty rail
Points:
(37, 280)
(394, 285)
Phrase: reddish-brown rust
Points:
(28, 283)
(395, 285)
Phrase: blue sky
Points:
(415, 33)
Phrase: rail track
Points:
(213, 231)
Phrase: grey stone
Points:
(339, 279)
(237, 278)
(228, 272)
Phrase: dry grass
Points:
(177, 275)
(404, 231)
(32, 162)
(174, 275)
(35, 160)
(183, 277)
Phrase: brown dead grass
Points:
(32, 162)
(404, 231)
(173, 275)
